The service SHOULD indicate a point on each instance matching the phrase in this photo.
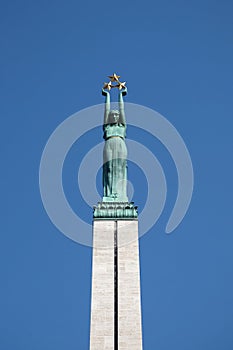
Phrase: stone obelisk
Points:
(116, 300)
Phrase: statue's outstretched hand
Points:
(124, 91)
(104, 92)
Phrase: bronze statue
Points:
(115, 151)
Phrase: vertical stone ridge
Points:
(115, 288)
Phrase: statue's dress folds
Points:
(114, 168)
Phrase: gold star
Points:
(114, 77)
(108, 85)
(121, 85)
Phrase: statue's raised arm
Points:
(107, 105)
(122, 93)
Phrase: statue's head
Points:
(113, 116)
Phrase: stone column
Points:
(116, 300)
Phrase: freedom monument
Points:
(115, 299)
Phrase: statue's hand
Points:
(104, 92)
(124, 91)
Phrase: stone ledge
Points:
(115, 210)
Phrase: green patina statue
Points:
(115, 204)
(115, 151)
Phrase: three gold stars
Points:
(114, 79)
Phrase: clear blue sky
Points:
(177, 59)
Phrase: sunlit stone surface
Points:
(107, 332)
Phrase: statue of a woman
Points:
(115, 152)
